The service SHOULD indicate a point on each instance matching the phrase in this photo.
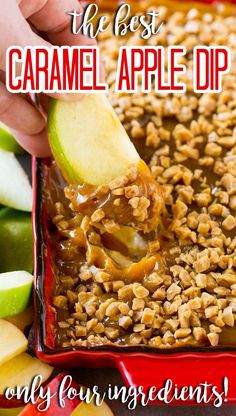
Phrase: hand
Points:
(17, 18)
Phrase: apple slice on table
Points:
(23, 319)
(20, 371)
(16, 241)
(12, 341)
(88, 140)
(15, 292)
(8, 141)
(11, 412)
(15, 189)
(84, 409)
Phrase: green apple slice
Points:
(21, 370)
(8, 141)
(16, 241)
(15, 291)
(12, 341)
(15, 189)
(88, 140)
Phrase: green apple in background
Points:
(88, 140)
(15, 292)
(16, 241)
(8, 141)
(15, 189)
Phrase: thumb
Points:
(15, 30)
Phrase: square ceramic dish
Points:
(138, 366)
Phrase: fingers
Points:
(15, 31)
(54, 20)
(30, 7)
(36, 145)
(49, 16)
(21, 34)
(19, 114)
(23, 116)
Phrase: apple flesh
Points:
(15, 189)
(16, 241)
(88, 140)
(8, 141)
(11, 412)
(19, 372)
(23, 319)
(84, 409)
(12, 342)
(15, 292)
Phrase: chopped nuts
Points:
(111, 333)
(98, 215)
(80, 331)
(199, 333)
(60, 302)
(138, 304)
(202, 263)
(148, 316)
(228, 316)
(207, 299)
(229, 223)
(125, 322)
(99, 328)
(140, 292)
(184, 314)
(211, 311)
(113, 309)
(213, 338)
(172, 291)
(182, 332)
(212, 149)
(101, 277)
(131, 191)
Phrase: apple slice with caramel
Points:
(88, 141)
(109, 182)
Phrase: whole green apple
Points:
(16, 241)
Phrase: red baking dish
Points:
(138, 367)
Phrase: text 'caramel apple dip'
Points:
(143, 241)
